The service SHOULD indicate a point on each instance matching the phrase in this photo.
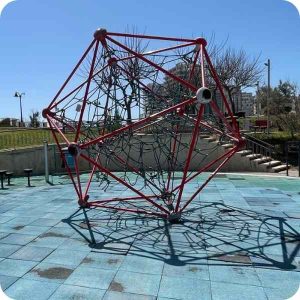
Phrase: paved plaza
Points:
(239, 240)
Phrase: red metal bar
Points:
(189, 156)
(140, 56)
(158, 51)
(63, 156)
(151, 37)
(86, 91)
(77, 88)
(72, 73)
(219, 85)
(203, 169)
(124, 183)
(140, 122)
(123, 199)
(207, 181)
(78, 177)
(61, 133)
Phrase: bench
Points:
(260, 124)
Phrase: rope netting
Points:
(142, 118)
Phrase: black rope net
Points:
(132, 113)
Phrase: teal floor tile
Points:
(102, 261)
(18, 239)
(6, 281)
(7, 249)
(31, 253)
(25, 289)
(15, 268)
(112, 295)
(133, 263)
(127, 282)
(71, 292)
(230, 291)
(184, 288)
(57, 273)
(91, 277)
(66, 257)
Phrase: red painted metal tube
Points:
(86, 91)
(72, 73)
(207, 181)
(151, 37)
(189, 156)
(141, 122)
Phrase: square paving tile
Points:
(226, 291)
(31, 253)
(184, 288)
(7, 249)
(112, 295)
(91, 277)
(145, 265)
(66, 257)
(25, 289)
(15, 268)
(49, 272)
(6, 281)
(234, 274)
(72, 292)
(129, 282)
(18, 239)
(102, 261)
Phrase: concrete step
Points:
(253, 156)
(244, 152)
(280, 168)
(262, 160)
(272, 163)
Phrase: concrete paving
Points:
(239, 240)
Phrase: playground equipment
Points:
(141, 116)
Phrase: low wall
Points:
(19, 159)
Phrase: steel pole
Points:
(269, 93)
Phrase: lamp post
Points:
(268, 64)
(20, 95)
(258, 106)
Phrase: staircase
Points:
(256, 157)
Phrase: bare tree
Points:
(236, 71)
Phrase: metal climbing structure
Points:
(137, 108)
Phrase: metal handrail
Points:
(258, 146)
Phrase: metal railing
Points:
(258, 146)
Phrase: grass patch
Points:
(18, 138)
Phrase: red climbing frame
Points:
(102, 55)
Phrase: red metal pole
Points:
(207, 181)
(63, 156)
(189, 178)
(72, 73)
(140, 56)
(189, 156)
(141, 122)
(86, 92)
(217, 80)
(152, 37)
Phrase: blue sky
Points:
(41, 40)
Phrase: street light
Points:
(258, 105)
(19, 95)
(268, 64)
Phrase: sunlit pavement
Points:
(239, 240)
